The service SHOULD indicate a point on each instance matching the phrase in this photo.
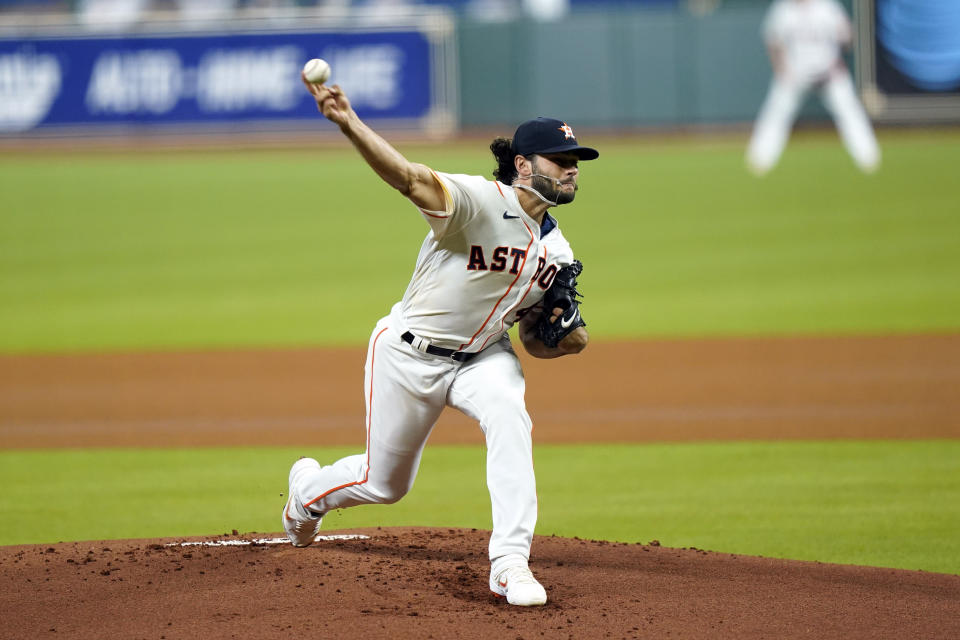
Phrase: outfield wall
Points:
(659, 66)
(625, 68)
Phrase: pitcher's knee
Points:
(389, 494)
(507, 421)
(507, 406)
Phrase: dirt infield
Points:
(893, 387)
(426, 583)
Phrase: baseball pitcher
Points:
(493, 257)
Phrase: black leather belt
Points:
(459, 356)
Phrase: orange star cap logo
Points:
(567, 131)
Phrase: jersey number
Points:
(544, 278)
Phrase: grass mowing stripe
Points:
(878, 503)
(812, 249)
(173, 250)
(882, 503)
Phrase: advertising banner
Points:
(49, 82)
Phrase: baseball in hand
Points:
(316, 71)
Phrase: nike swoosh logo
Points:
(503, 583)
(508, 217)
(566, 323)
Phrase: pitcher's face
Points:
(563, 169)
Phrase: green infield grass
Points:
(879, 503)
(131, 251)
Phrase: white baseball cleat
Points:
(301, 525)
(518, 586)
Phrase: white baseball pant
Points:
(405, 392)
(779, 111)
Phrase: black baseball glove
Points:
(563, 294)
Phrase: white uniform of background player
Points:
(490, 254)
(805, 39)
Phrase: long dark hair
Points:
(503, 153)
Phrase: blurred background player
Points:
(805, 40)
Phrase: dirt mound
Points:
(432, 583)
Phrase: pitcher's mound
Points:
(432, 583)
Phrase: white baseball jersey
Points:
(811, 34)
(483, 261)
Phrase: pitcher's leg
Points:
(405, 394)
(490, 389)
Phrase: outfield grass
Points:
(892, 504)
(171, 250)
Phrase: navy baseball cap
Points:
(549, 135)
